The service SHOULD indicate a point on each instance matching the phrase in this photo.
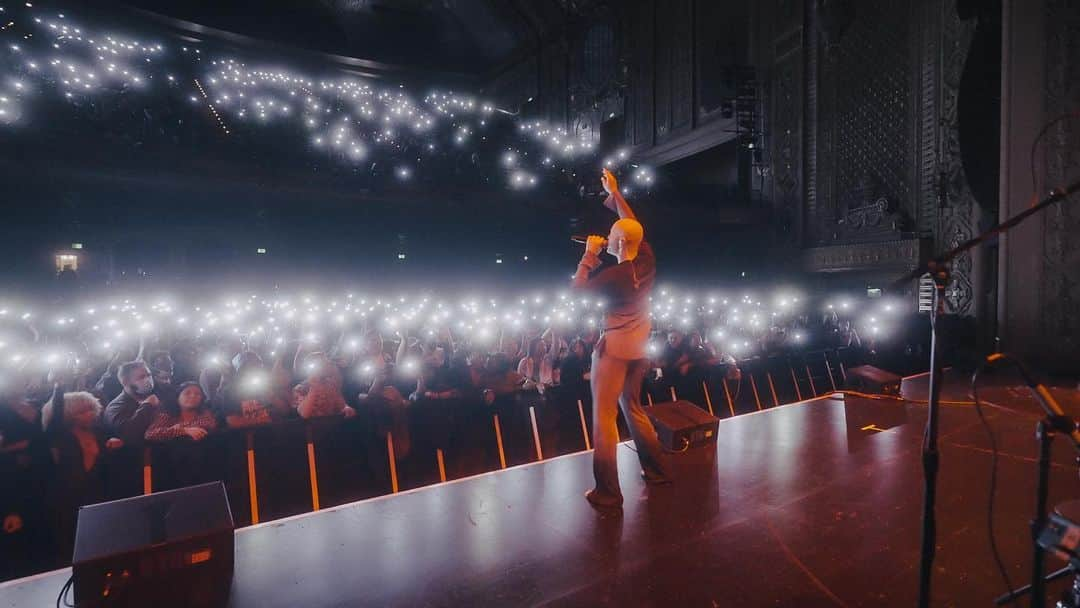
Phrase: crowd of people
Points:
(102, 382)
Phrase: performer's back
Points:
(625, 288)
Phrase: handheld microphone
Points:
(577, 238)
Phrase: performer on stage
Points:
(619, 361)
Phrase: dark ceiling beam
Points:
(548, 33)
(368, 68)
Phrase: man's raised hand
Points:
(608, 181)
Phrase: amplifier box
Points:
(681, 425)
(171, 548)
(870, 379)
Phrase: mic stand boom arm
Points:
(936, 262)
(938, 270)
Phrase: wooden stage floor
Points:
(811, 504)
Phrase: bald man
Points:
(619, 361)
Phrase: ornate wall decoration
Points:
(956, 221)
(893, 256)
(641, 127)
(786, 131)
(1060, 289)
(871, 80)
(875, 217)
(787, 138)
(682, 66)
(881, 109)
(596, 84)
(674, 68)
(812, 127)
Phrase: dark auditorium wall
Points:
(886, 136)
(866, 138)
(1039, 296)
(652, 78)
(861, 170)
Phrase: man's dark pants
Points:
(618, 381)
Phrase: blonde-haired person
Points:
(78, 444)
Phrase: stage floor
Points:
(810, 504)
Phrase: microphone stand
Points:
(1055, 422)
(1003, 599)
(938, 270)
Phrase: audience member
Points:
(320, 394)
(78, 445)
(189, 417)
(131, 412)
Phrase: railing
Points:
(300, 466)
(303, 465)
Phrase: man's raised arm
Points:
(615, 200)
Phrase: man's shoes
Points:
(603, 502)
(651, 479)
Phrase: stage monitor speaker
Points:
(681, 425)
(870, 379)
(171, 548)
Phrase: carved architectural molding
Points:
(786, 154)
(1060, 288)
(787, 139)
(896, 256)
(880, 108)
(956, 222)
(865, 114)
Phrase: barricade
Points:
(782, 381)
(298, 466)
